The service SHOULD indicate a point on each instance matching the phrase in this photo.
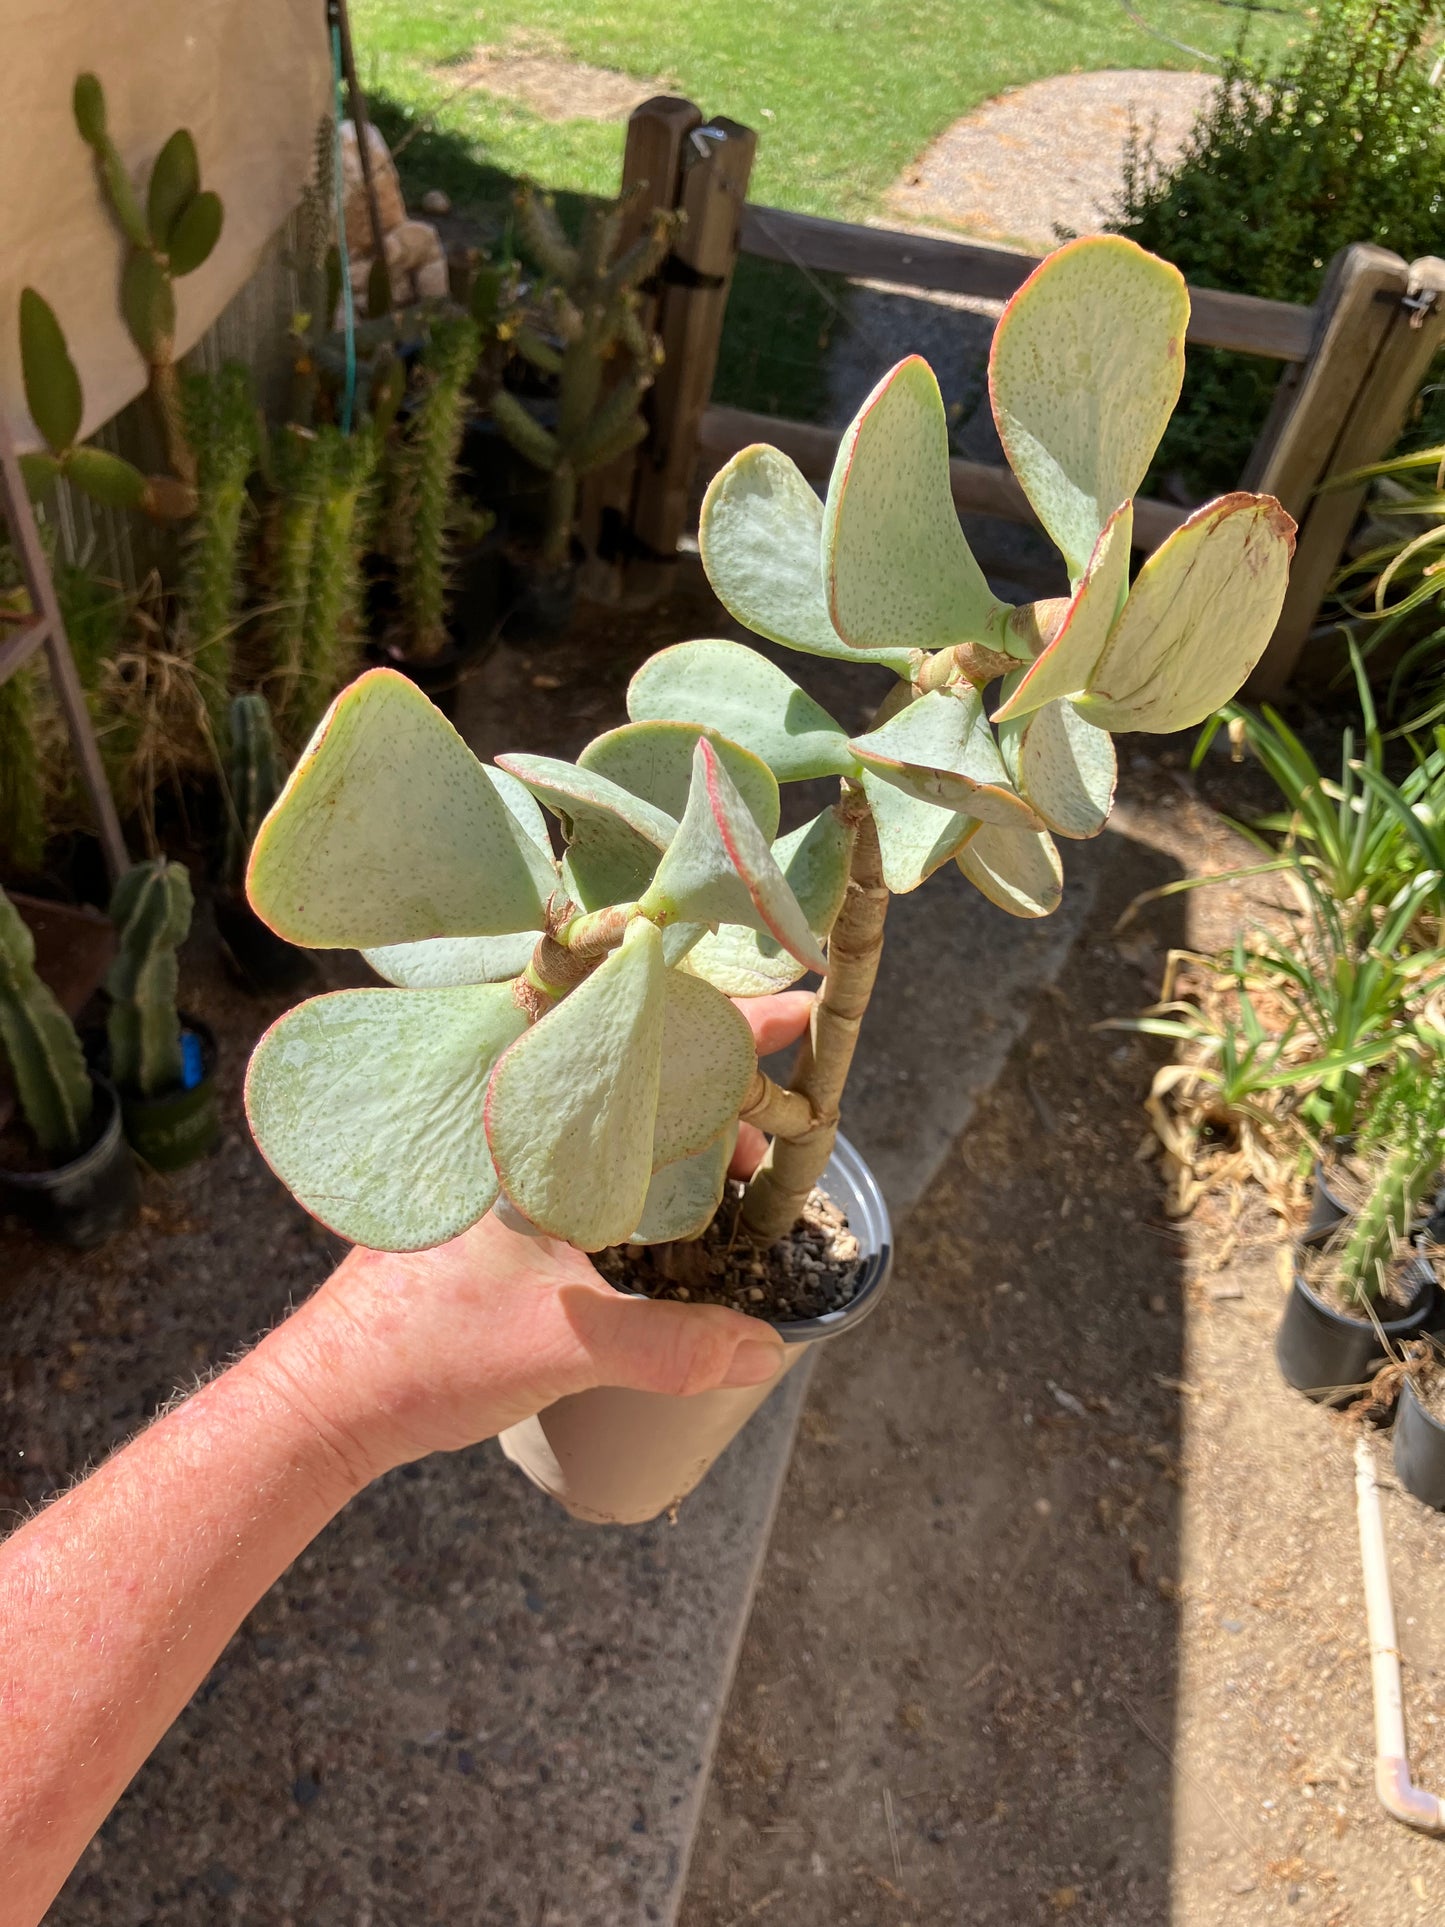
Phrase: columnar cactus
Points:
(422, 484)
(151, 910)
(172, 235)
(580, 1006)
(254, 779)
(1406, 1128)
(591, 303)
(224, 430)
(53, 1085)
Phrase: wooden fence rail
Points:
(1352, 362)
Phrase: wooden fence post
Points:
(717, 161)
(652, 176)
(1380, 325)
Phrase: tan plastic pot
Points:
(616, 1457)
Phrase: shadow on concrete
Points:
(956, 1696)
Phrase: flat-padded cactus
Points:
(41, 1046)
(579, 1002)
(151, 910)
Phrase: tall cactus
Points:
(593, 311)
(172, 235)
(423, 481)
(151, 909)
(54, 1087)
(222, 423)
(1407, 1125)
(255, 779)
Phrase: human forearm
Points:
(115, 1602)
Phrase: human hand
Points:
(402, 1354)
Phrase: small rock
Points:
(434, 201)
(465, 1761)
(546, 682)
(1043, 1508)
(1158, 1304)
(1232, 1625)
(305, 1789)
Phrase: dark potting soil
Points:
(815, 1269)
(1321, 1274)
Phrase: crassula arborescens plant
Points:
(560, 1028)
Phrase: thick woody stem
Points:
(778, 1112)
(568, 950)
(778, 1192)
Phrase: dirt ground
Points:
(1061, 1620)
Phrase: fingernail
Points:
(754, 1362)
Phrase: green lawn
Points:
(843, 93)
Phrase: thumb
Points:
(655, 1345)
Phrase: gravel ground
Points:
(1048, 156)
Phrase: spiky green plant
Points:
(222, 423)
(254, 780)
(151, 910)
(592, 307)
(171, 235)
(581, 1009)
(319, 527)
(48, 1065)
(422, 484)
(22, 801)
(1403, 1137)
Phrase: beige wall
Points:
(250, 78)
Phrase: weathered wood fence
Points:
(1352, 363)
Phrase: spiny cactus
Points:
(422, 484)
(319, 525)
(223, 427)
(171, 236)
(254, 779)
(591, 305)
(1406, 1131)
(580, 1008)
(151, 910)
(48, 1065)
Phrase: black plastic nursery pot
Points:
(1328, 1210)
(542, 600)
(615, 1457)
(1323, 1352)
(262, 961)
(173, 1130)
(83, 1202)
(435, 676)
(481, 587)
(1420, 1450)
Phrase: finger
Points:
(748, 1151)
(777, 1020)
(652, 1345)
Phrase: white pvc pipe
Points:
(1398, 1794)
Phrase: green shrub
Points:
(1343, 140)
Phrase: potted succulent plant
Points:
(560, 1041)
(1365, 1288)
(163, 1060)
(71, 1175)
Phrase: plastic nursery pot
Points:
(435, 676)
(615, 1457)
(81, 1203)
(482, 579)
(542, 599)
(173, 1130)
(1420, 1450)
(1328, 1210)
(261, 960)
(1323, 1352)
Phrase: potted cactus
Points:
(71, 1174)
(261, 960)
(561, 1041)
(163, 1060)
(587, 338)
(1365, 1286)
